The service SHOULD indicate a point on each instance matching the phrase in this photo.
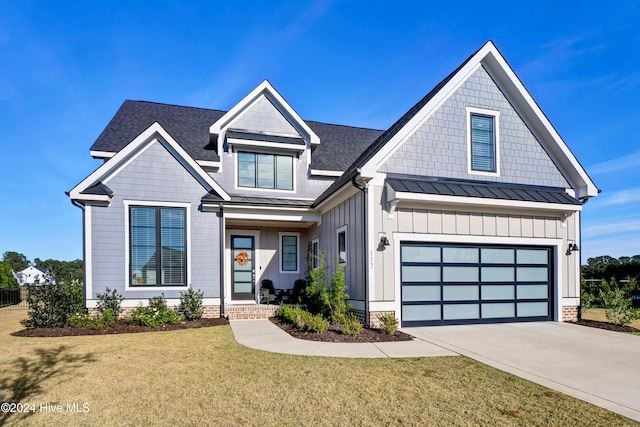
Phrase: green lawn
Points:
(203, 377)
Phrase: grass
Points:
(203, 377)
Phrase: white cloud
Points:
(621, 197)
(616, 165)
(612, 227)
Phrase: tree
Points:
(7, 279)
(63, 271)
(17, 261)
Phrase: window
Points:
(484, 157)
(315, 253)
(289, 252)
(157, 246)
(342, 245)
(271, 171)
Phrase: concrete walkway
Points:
(597, 366)
(264, 335)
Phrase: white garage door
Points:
(455, 284)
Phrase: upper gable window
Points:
(483, 141)
(269, 171)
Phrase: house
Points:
(466, 210)
(34, 275)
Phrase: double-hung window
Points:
(483, 141)
(158, 255)
(260, 170)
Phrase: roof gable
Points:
(93, 189)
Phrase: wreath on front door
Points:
(242, 258)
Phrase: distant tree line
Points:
(62, 271)
(607, 267)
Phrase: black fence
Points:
(14, 298)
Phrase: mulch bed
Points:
(607, 326)
(121, 327)
(334, 334)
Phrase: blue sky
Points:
(66, 67)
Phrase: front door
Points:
(243, 267)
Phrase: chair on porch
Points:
(268, 292)
(298, 291)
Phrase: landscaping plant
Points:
(109, 300)
(389, 323)
(351, 325)
(617, 306)
(50, 306)
(191, 304)
(155, 314)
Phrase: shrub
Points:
(110, 300)
(83, 320)
(155, 314)
(351, 325)
(302, 319)
(316, 294)
(338, 297)
(617, 306)
(191, 304)
(50, 306)
(389, 323)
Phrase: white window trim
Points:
(344, 229)
(267, 190)
(127, 254)
(280, 253)
(496, 135)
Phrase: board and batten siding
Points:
(497, 222)
(349, 213)
(154, 176)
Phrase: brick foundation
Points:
(250, 312)
(209, 311)
(570, 314)
(373, 322)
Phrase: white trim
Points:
(372, 245)
(399, 196)
(88, 252)
(382, 306)
(272, 216)
(154, 133)
(320, 172)
(557, 243)
(281, 146)
(297, 236)
(265, 88)
(344, 229)
(101, 154)
(209, 163)
(127, 254)
(227, 268)
(496, 140)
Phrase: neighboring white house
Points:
(34, 275)
(466, 210)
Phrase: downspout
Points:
(84, 248)
(221, 260)
(365, 253)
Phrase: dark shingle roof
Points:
(490, 190)
(339, 145)
(269, 201)
(99, 189)
(189, 126)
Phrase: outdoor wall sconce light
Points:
(572, 248)
(383, 239)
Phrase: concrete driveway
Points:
(597, 366)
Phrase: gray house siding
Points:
(260, 117)
(347, 213)
(439, 147)
(154, 176)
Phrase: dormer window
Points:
(268, 171)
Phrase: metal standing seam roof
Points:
(488, 190)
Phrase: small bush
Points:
(110, 300)
(389, 323)
(50, 306)
(338, 297)
(191, 304)
(617, 306)
(351, 326)
(302, 319)
(156, 314)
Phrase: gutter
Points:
(365, 248)
(222, 240)
(84, 248)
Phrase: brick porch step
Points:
(246, 312)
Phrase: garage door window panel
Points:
(460, 293)
(461, 311)
(421, 312)
(413, 293)
(498, 274)
(417, 273)
(498, 292)
(498, 310)
(460, 255)
(460, 274)
(497, 256)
